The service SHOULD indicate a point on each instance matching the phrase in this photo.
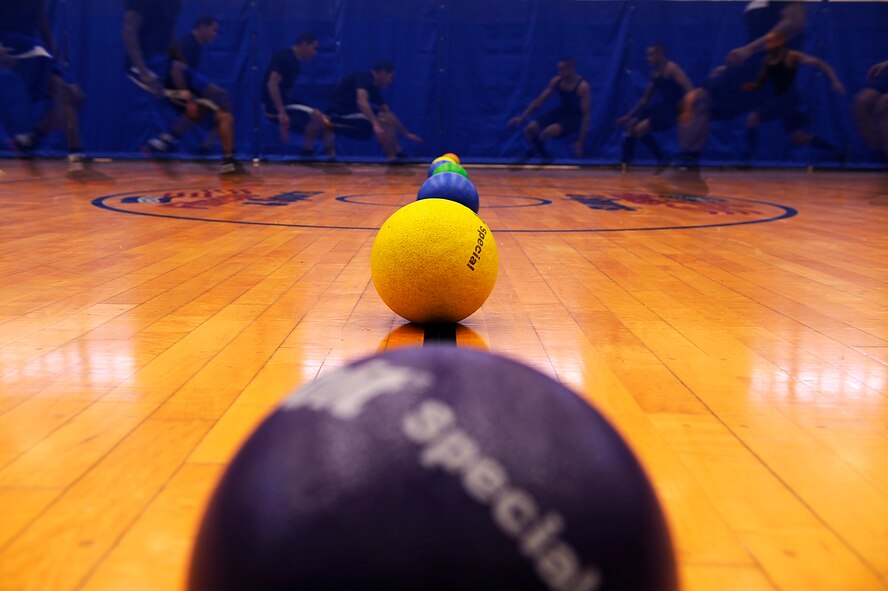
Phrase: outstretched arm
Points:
(877, 70)
(274, 91)
(132, 23)
(821, 65)
(363, 100)
(45, 29)
(400, 126)
(533, 106)
(791, 24)
(586, 107)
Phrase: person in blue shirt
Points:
(357, 110)
(191, 46)
(205, 31)
(659, 107)
(574, 113)
(871, 110)
(281, 108)
(155, 66)
(35, 93)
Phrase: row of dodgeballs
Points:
(436, 468)
(435, 261)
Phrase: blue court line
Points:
(539, 201)
(788, 212)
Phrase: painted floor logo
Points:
(210, 198)
(600, 210)
(695, 203)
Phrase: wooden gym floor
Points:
(148, 323)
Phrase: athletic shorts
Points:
(34, 65)
(728, 101)
(299, 115)
(786, 108)
(354, 125)
(162, 66)
(569, 122)
(662, 115)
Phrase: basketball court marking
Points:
(168, 204)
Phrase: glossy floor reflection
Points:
(736, 336)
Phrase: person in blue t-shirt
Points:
(871, 110)
(191, 46)
(205, 31)
(35, 94)
(282, 108)
(659, 107)
(155, 65)
(357, 110)
(573, 115)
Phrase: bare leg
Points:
(533, 135)
(68, 98)
(642, 131)
(389, 138)
(552, 131)
(531, 131)
(693, 127)
(312, 128)
(629, 143)
(329, 142)
(882, 122)
(864, 109)
(225, 127)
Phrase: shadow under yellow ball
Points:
(434, 260)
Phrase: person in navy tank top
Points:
(784, 101)
(659, 107)
(573, 114)
(719, 98)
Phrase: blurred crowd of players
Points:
(757, 83)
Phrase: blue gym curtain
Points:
(464, 67)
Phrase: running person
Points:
(779, 72)
(871, 110)
(290, 115)
(37, 96)
(574, 114)
(191, 45)
(659, 107)
(358, 111)
(155, 66)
